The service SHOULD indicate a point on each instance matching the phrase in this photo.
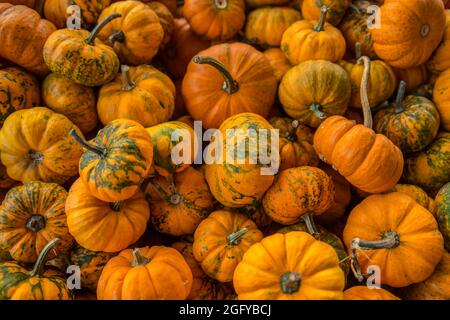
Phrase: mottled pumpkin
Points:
(397, 234)
(291, 266)
(79, 56)
(417, 194)
(116, 161)
(336, 9)
(116, 225)
(165, 19)
(19, 283)
(366, 293)
(314, 90)
(443, 213)
(312, 40)
(156, 273)
(75, 101)
(44, 151)
(265, 26)
(414, 76)
(220, 242)
(440, 60)
(228, 79)
(18, 90)
(30, 216)
(143, 94)
(22, 35)
(278, 61)
(409, 31)
(441, 96)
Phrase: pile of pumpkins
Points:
(91, 95)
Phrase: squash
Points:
(80, 57)
(441, 96)
(314, 90)
(366, 293)
(443, 212)
(18, 283)
(311, 9)
(312, 40)
(29, 216)
(409, 31)
(180, 205)
(75, 101)
(369, 161)
(116, 225)
(156, 273)
(440, 61)
(411, 123)
(215, 20)
(143, 94)
(417, 194)
(116, 161)
(415, 77)
(165, 19)
(291, 266)
(403, 228)
(220, 242)
(35, 146)
(278, 61)
(22, 35)
(265, 26)
(225, 80)
(18, 90)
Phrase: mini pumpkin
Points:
(165, 19)
(415, 77)
(440, 61)
(441, 96)
(443, 212)
(417, 194)
(278, 61)
(336, 9)
(366, 293)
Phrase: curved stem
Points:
(317, 110)
(138, 259)
(81, 141)
(38, 268)
(358, 51)
(368, 121)
(400, 96)
(35, 223)
(323, 16)
(310, 225)
(230, 85)
(290, 282)
(221, 4)
(90, 40)
(127, 84)
(117, 36)
(234, 238)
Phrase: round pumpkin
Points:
(75, 101)
(30, 216)
(291, 266)
(441, 96)
(221, 240)
(165, 19)
(35, 146)
(336, 9)
(443, 212)
(417, 194)
(314, 90)
(415, 77)
(440, 60)
(116, 225)
(366, 293)
(278, 61)
(397, 234)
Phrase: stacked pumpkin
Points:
(354, 176)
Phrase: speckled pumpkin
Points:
(220, 242)
(165, 19)
(75, 101)
(30, 216)
(143, 94)
(440, 60)
(45, 151)
(278, 61)
(366, 293)
(336, 9)
(314, 90)
(116, 225)
(443, 213)
(417, 194)
(441, 96)
(116, 161)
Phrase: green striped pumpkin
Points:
(443, 212)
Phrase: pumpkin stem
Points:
(310, 225)
(35, 223)
(358, 51)
(235, 238)
(323, 16)
(317, 110)
(138, 258)
(162, 193)
(36, 156)
(127, 84)
(116, 206)
(117, 36)
(175, 197)
(291, 135)
(368, 121)
(230, 85)
(425, 30)
(221, 4)
(38, 268)
(290, 282)
(90, 40)
(400, 95)
(81, 141)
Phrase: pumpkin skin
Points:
(18, 90)
(266, 25)
(180, 211)
(336, 9)
(429, 168)
(116, 225)
(411, 229)
(29, 216)
(165, 19)
(414, 77)
(79, 56)
(220, 251)
(156, 273)
(264, 272)
(314, 90)
(5, 181)
(441, 96)
(45, 152)
(443, 213)
(206, 97)
(440, 61)
(417, 194)
(365, 293)
(143, 94)
(136, 35)
(22, 35)
(117, 160)
(18, 283)
(75, 101)
(215, 20)
(278, 61)
(410, 30)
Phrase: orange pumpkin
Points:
(417, 194)
(278, 61)
(366, 293)
(165, 19)
(414, 76)
(441, 96)
(440, 60)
